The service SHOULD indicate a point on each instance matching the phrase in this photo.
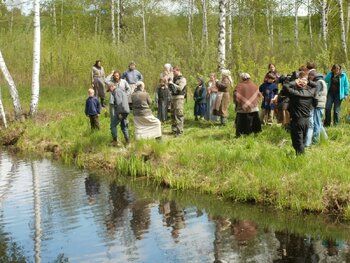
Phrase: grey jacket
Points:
(121, 104)
(321, 93)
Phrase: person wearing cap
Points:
(132, 76)
(222, 102)
(119, 113)
(302, 95)
(178, 93)
(146, 125)
(246, 98)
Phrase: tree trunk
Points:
(342, 27)
(118, 22)
(230, 24)
(12, 88)
(61, 17)
(190, 22)
(205, 37)
(348, 20)
(36, 60)
(222, 34)
(296, 23)
(2, 111)
(324, 9)
(112, 21)
(54, 17)
(310, 22)
(143, 7)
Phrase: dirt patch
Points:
(335, 199)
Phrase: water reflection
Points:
(57, 214)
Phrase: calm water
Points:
(50, 213)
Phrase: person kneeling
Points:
(146, 125)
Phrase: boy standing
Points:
(92, 110)
(270, 91)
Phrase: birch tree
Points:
(2, 111)
(143, 14)
(222, 34)
(309, 22)
(190, 22)
(324, 21)
(118, 22)
(205, 35)
(296, 23)
(112, 20)
(342, 28)
(12, 88)
(36, 60)
(54, 17)
(269, 24)
(230, 24)
(348, 20)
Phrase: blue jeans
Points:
(310, 130)
(121, 118)
(332, 99)
(318, 125)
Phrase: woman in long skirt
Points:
(212, 92)
(163, 99)
(146, 125)
(98, 81)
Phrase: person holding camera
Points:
(302, 96)
(178, 92)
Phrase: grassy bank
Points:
(208, 158)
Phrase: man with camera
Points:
(178, 92)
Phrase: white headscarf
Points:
(168, 66)
(244, 76)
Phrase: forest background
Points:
(185, 33)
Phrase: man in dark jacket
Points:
(121, 112)
(302, 96)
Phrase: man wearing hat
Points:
(132, 76)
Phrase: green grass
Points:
(260, 168)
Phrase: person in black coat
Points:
(302, 95)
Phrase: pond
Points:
(52, 213)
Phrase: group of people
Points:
(298, 105)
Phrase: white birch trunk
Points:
(272, 30)
(2, 111)
(342, 28)
(222, 34)
(144, 24)
(205, 36)
(61, 17)
(268, 26)
(12, 88)
(348, 20)
(112, 21)
(190, 22)
(36, 60)
(324, 10)
(296, 23)
(310, 22)
(118, 22)
(230, 24)
(54, 17)
(96, 25)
